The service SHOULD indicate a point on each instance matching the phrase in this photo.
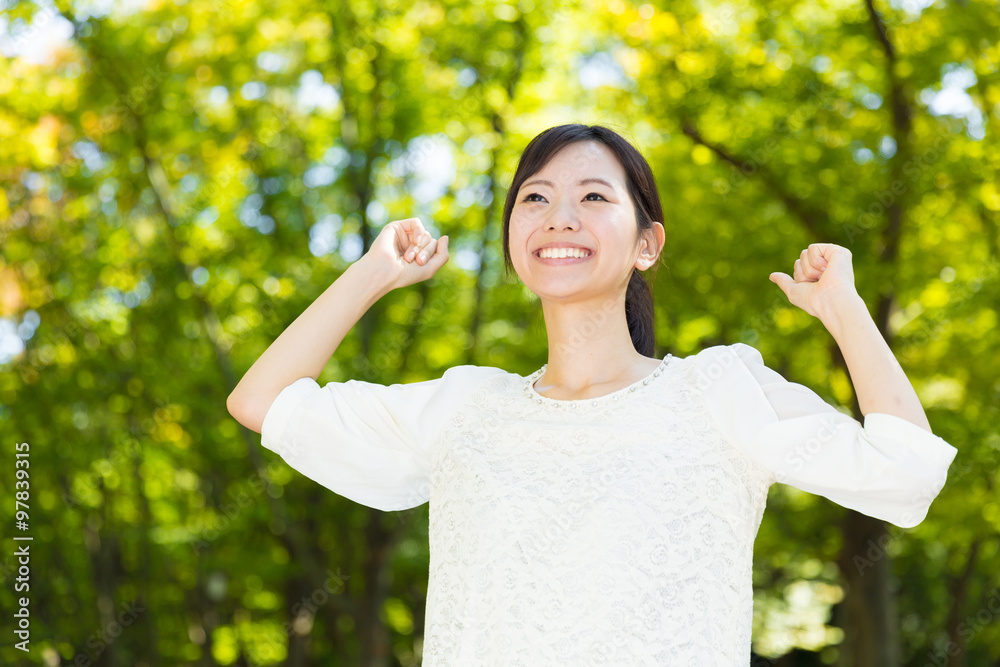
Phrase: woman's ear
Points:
(651, 245)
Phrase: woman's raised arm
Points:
(307, 344)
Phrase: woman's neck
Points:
(590, 350)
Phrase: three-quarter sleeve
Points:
(368, 442)
(887, 468)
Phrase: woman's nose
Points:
(563, 217)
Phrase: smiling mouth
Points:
(563, 253)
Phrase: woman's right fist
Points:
(407, 253)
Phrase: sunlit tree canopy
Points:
(179, 180)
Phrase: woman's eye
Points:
(535, 194)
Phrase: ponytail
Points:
(640, 314)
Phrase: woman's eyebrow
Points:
(581, 182)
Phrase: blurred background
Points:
(181, 179)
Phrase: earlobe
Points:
(645, 261)
(640, 262)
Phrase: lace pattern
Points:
(608, 531)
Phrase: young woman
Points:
(603, 509)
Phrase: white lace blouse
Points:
(610, 531)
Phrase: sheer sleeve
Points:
(368, 442)
(888, 468)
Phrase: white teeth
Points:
(556, 253)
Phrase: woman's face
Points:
(597, 216)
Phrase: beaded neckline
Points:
(529, 389)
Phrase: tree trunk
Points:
(868, 611)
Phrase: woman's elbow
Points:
(244, 413)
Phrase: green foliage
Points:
(181, 179)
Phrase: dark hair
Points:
(639, 311)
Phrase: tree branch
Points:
(883, 35)
(810, 218)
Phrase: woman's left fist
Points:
(823, 276)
